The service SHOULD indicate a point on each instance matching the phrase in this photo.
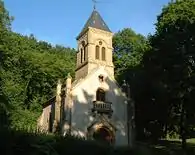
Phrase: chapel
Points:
(93, 105)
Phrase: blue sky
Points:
(60, 21)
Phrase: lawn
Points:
(166, 147)
(12, 142)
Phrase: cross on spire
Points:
(94, 4)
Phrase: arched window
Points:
(97, 52)
(84, 53)
(103, 53)
(81, 55)
(84, 50)
(100, 95)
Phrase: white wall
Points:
(84, 93)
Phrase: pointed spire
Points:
(95, 21)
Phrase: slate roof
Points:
(95, 21)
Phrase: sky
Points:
(60, 21)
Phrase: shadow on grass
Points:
(23, 143)
(167, 147)
(18, 142)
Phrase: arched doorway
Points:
(103, 135)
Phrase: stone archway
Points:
(103, 135)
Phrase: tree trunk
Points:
(182, 127)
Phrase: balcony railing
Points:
(102, 107)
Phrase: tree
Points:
(129, 48)
(29, 71)
(5, 19)
(5, 23)
(172, 62)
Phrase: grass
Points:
(15, 142)
(191, 141)
(167, 147)
(18, 142)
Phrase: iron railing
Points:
(102, 107)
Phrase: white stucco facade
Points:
(83, 95)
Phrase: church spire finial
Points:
(94, 4)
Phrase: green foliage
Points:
(129, 48)
(170, 67)
(161, 73)
(29, 73)
(5, 19)
(177, 16)
(5, 22)
(3, 110)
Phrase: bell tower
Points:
(94, 47)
